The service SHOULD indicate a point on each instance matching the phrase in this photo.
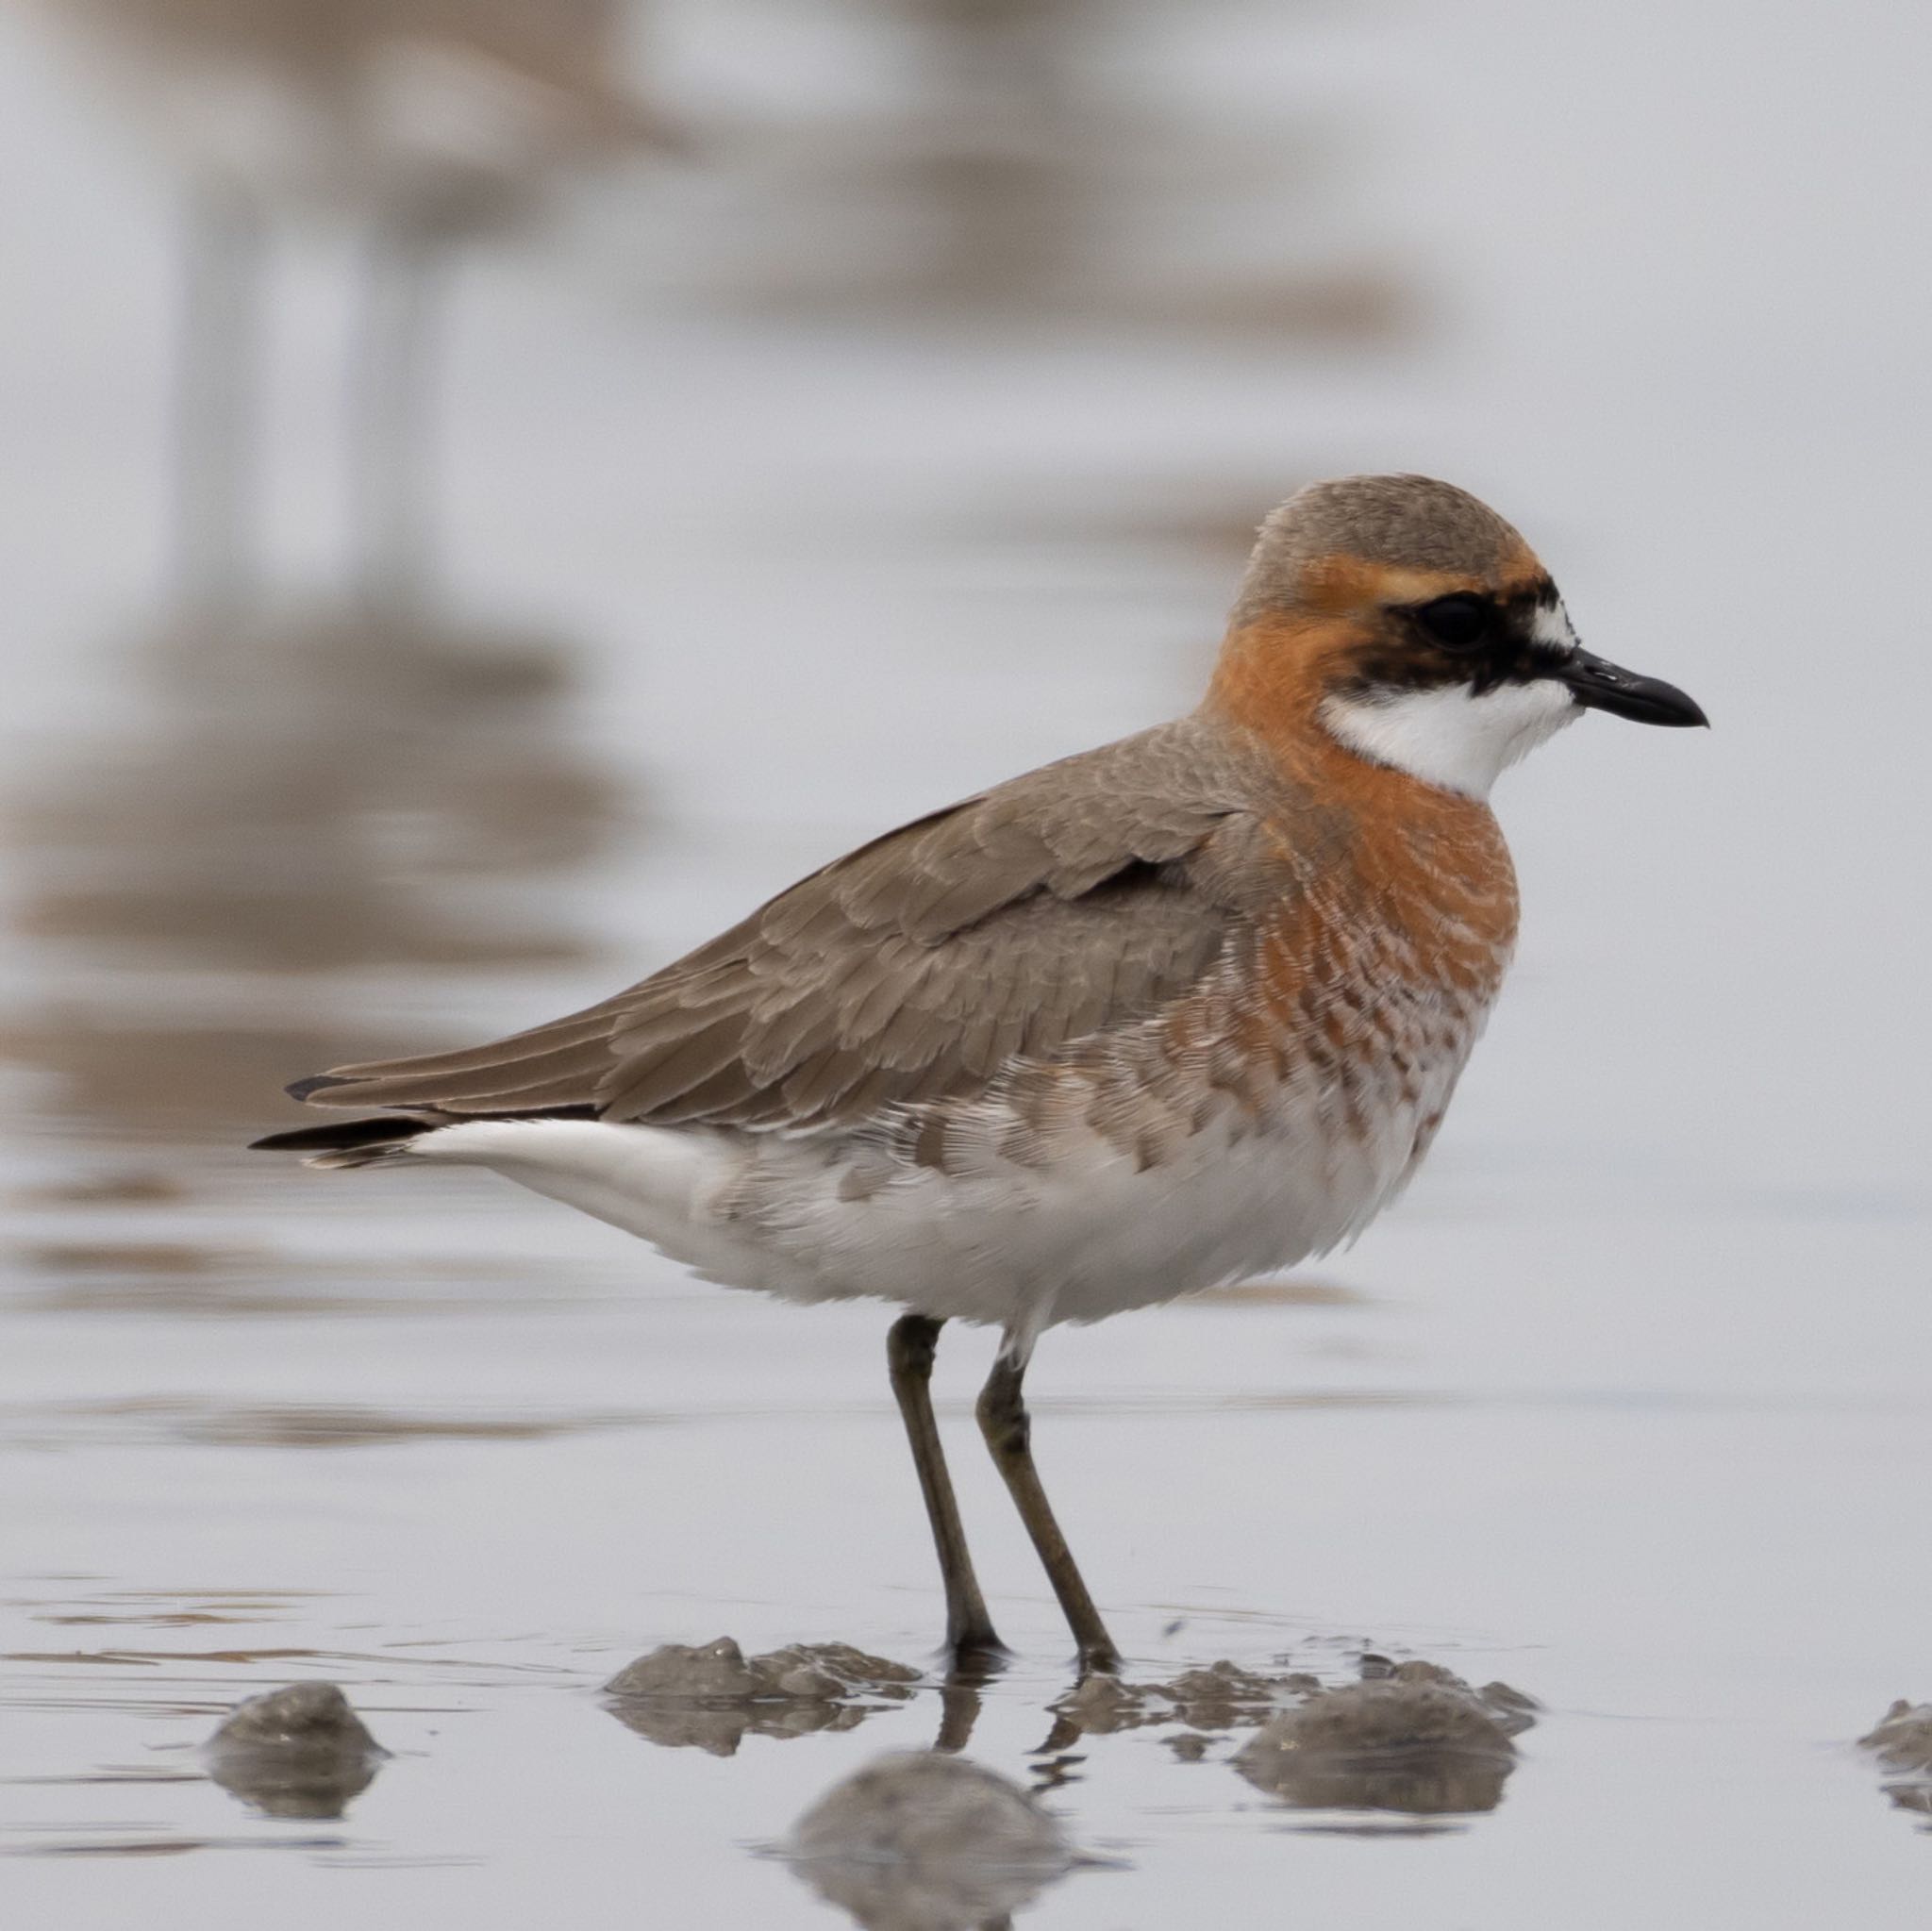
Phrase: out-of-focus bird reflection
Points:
(357, 780)
(304, 790)
(345, 788)
(918, 1841)
(425, 122)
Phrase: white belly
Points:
(1088, 1233)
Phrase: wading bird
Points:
(1136, 1023)
(422, 124)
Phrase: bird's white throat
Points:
(1450, 736)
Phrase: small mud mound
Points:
(1902, 1742)
(712, 1697)
(1901, 1738)
(917, 1842)
(1220, 1696)
(299, 1752)
(1410, 1737)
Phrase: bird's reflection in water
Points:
(359, 783)
(930, 1841)
(923, 1840)
(306, 789)
(340, 788)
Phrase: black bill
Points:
(1599, 684)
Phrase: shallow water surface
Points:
(1626, 1407)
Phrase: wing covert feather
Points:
(1082, 897)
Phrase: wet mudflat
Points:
(483, 1457)
(1625, 1408)
(1686, 1584)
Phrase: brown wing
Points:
(1082, 897)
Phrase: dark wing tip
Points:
(342, 1134)
(317, 1083)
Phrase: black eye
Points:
(1458, 623)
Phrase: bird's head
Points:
(1410, 624)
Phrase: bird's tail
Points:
(348, 1142)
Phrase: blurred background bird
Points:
(425, 125)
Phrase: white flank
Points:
(1449, 736)
(837, 1216)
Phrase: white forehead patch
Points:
(1448, 736)
(1551, 628)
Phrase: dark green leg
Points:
(909, 1350)
(1008, 1428)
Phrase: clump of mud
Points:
(918, 1841)
(299, 1752)
(1410, 1736)
(1902, 1741)
(712, 1697)
(1220, 1696)
(1901, 1737)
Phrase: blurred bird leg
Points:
(391, 419)
(217, 407)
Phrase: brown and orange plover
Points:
(1141, 1021)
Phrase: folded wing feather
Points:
(1085, 896)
